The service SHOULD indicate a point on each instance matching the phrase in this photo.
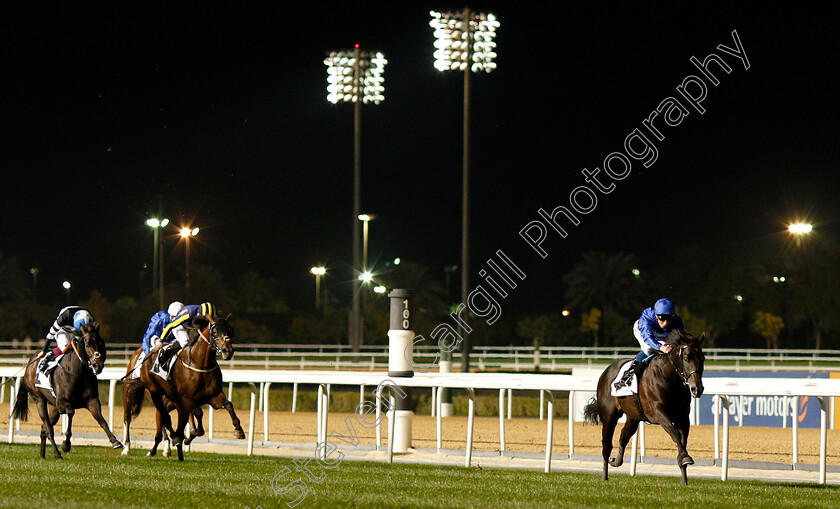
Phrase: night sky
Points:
(222, 116)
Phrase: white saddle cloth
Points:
(627, 390)
(42, 380)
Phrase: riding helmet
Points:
(663, 307)
(82, 318)
(208, 309)
(174, 308)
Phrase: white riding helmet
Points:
(174, 308)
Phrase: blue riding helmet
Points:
(81, 319)
(663, 307)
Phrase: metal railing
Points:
(485, 358)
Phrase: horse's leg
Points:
(220, 401)
(627, 433)
(681, 439)
(196, 426)
(178, 435)
(95, 408)
(683, 430)
(608, 422)
(70, 412)
(48, 419)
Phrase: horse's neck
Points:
(201, 353)
(667, 366)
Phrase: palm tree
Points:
(605, 281)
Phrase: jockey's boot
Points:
(634, 369)
(166, 353)
(48, 357)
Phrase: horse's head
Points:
(91, 348)
(221, 334)
(688, 358)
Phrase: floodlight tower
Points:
(356, 76)
(464, 42)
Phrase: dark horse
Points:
(665, 391)
(195, 380)
(196, 425)
(75, 384)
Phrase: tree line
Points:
(789, 298)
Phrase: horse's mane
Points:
(677, 337)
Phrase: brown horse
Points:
(665, 391)
(195, 379)
(75, 384)
(196, 425)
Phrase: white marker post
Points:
(400, 365)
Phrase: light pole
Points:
(34, 271)
(355, 76)
(464, 42)
(66, 286)
(800, 229)
(318, 271)
(157, 266)
(186, 233)
(365, 219)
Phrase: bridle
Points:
(215, 337)
(96, 355)
(681, 370)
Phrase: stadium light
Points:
(464, 42)
(356, 76)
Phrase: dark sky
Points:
(222, 115)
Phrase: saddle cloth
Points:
(42, 380)
(627, 390)
(160, 371)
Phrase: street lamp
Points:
(157, 267)
(800, 229)
(186, 233)
(66, 286)
(355, 76)
(464, 42)
(34, 271)
(365, 219)
(318, 271)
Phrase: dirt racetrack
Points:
(521, 434)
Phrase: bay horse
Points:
(195, 379)
(75, 384)
(664, 394)
(196, 424)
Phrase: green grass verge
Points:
(99, 477)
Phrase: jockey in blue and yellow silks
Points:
(178, 329)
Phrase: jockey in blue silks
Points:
(651, 330)
(189, 317)
(158, 322)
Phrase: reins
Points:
(211, 328)
(681, 371)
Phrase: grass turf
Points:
(99, 477)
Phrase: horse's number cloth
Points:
(627, 390)
(42, 380)
(161, 372)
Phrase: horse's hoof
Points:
(124, 452)
(239, 434)
(616, 462)
(686, 461)
(65, 447)
(151, 453)
(116, 445)
(165, 454)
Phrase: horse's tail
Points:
(590, 412)
(135, 392)
(21, 408)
